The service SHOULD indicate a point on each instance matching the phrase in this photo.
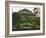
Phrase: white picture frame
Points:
(9, 32)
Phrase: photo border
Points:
(7, 19)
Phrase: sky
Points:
(17, 8)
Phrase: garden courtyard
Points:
(25, 21)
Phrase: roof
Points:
(25, 11)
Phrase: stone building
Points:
(25, 13)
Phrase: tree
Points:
(35, 10)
